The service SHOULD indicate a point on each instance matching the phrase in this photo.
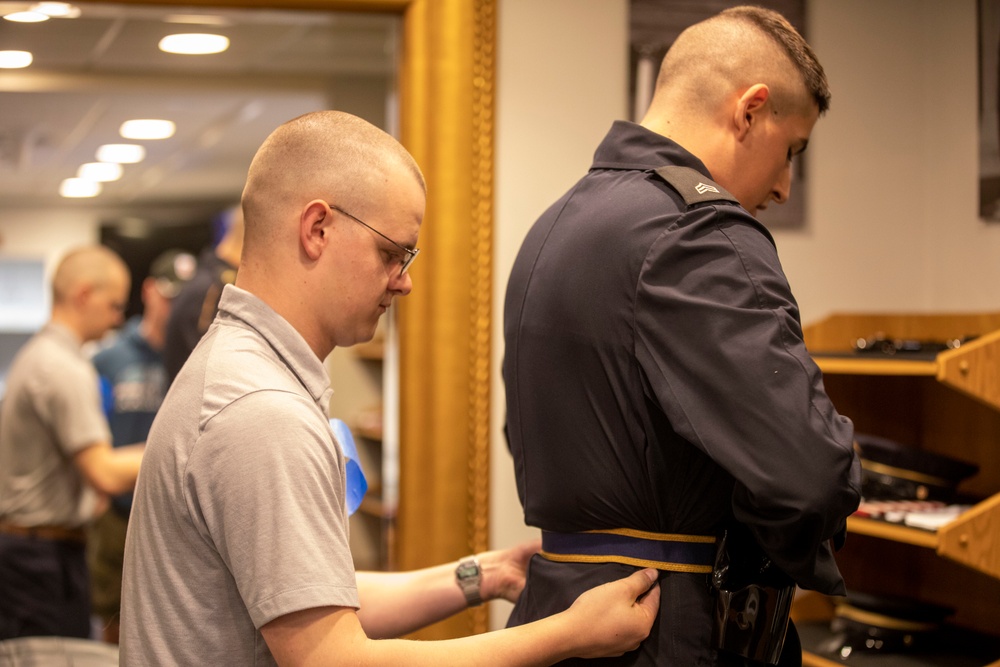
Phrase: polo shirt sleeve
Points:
(719, 340)
(72, 399)
(265, 483)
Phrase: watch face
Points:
(467, 570)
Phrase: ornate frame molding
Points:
(446, 95)
(446, 106)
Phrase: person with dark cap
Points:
(134, 383)
(57, 465)
(662, 406)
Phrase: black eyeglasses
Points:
(411, 253)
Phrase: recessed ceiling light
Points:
(147, 128)
(26, 17)
(197, 44)
(78, 187)
(121, 153)
(101, 172)
(57, 10)
(15, 59)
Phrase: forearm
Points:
(395, 603)
(616, 621)
(543, 642)
(111, 471)
(127, 461)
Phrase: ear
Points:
(750, 104)
(81, 293)
(314, 229)
(148, 287)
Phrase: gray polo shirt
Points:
(239, 514)
(51, 411)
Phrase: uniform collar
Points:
(632, 146)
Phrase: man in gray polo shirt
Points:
(237, 549)
(56, 460)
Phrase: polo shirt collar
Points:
(282, 337)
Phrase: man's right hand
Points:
(614, 618)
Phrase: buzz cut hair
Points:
(779, 30)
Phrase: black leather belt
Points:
(663, 551)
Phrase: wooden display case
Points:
(946, 403)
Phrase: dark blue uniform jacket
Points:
(657, 379)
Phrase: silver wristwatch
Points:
(469, 577)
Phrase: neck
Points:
(152, 334)
(270, 289)
(701, 139)
(69, 320)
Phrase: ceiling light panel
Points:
(194, 43)
(57, 10)
(102, 172)
(147, 128)
(15, 59)
(121, 153)
(78, 187)
(26, 17)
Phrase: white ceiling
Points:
(92, 73)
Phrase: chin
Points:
(366, 336)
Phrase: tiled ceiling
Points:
(93, 72)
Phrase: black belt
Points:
(51, 533)
(663, 551)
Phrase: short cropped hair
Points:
(775, 26)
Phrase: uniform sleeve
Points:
(719, 339)
(266, 484)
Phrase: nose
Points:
(783, 186)
(401, 285)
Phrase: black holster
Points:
(753, 599)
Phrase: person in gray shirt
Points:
(56, 461)
(237, 550)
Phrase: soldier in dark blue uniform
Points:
(658, 387)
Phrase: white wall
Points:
(893, 167)
(893, 221)
(46, 234)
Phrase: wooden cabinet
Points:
(946, 403)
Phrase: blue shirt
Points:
(133, 373)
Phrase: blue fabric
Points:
(356, 485)
(107, 396)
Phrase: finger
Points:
(640, 582)
(527, 549)
(650, 602)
